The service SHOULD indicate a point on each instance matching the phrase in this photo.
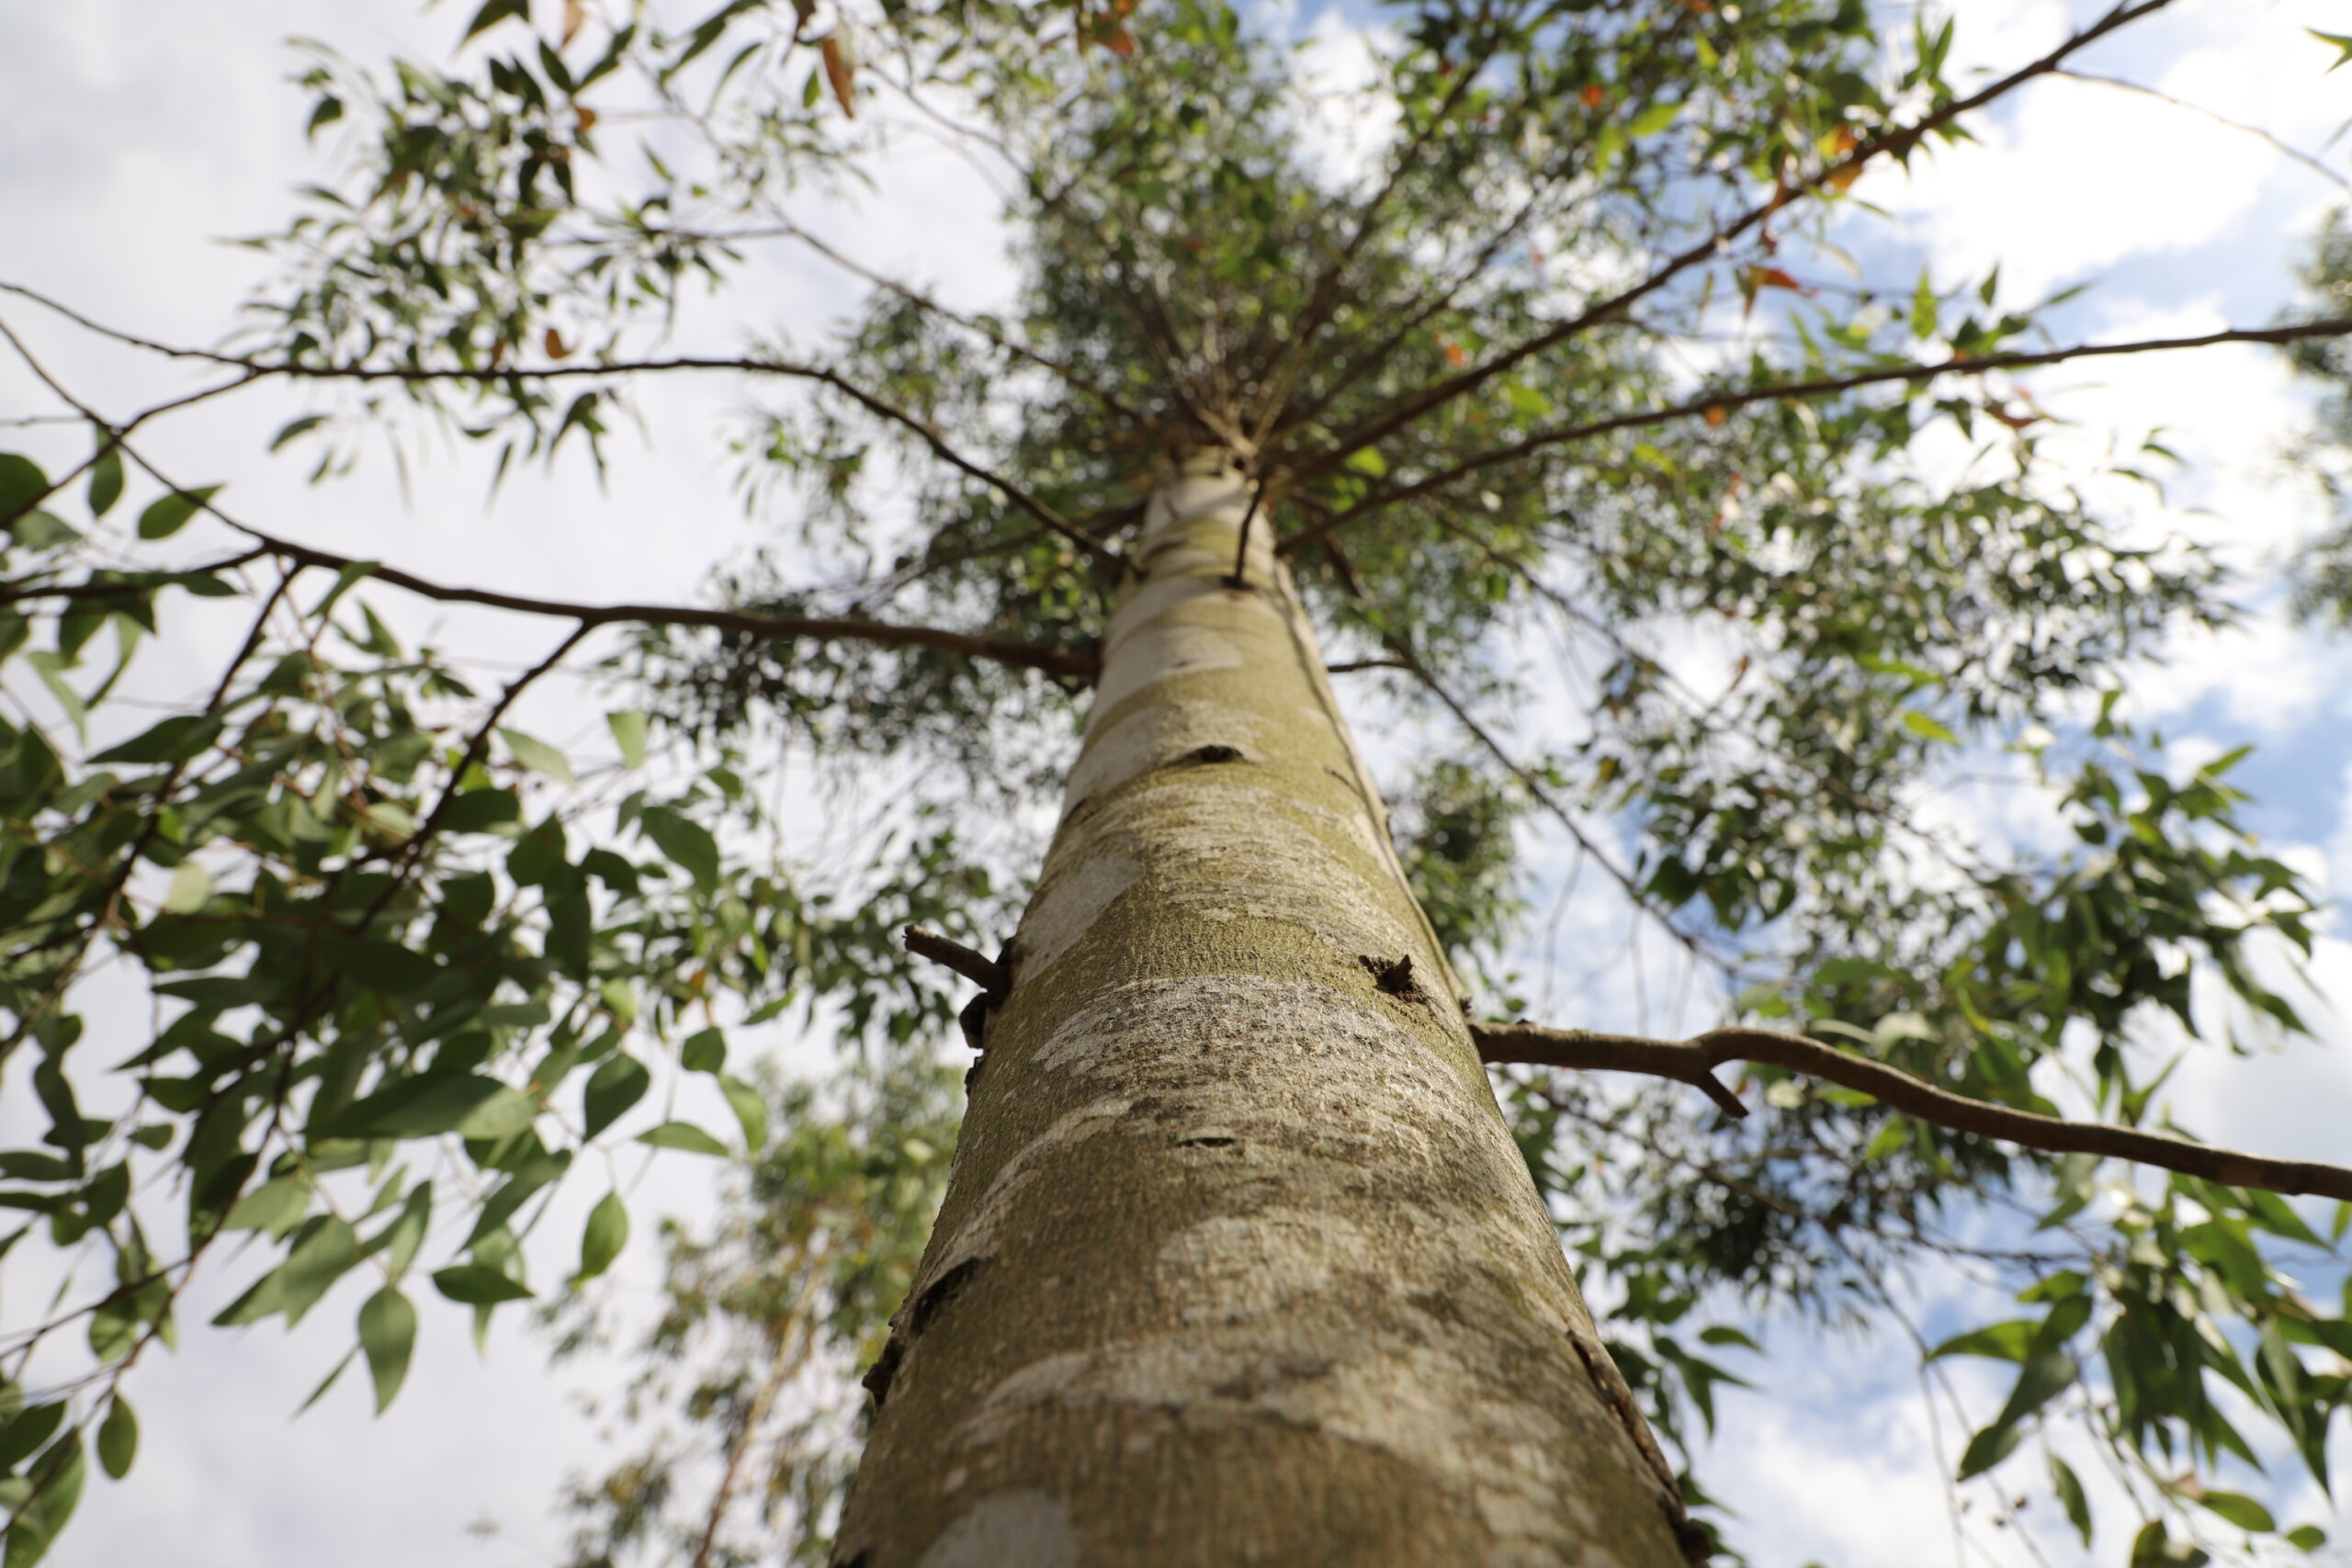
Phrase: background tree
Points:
(1475, 378)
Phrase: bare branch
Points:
(1826, 386)
(982, 971)
(1895, 143)
(1693, 1062)
(1325, 294)
(2289, 149)
(1405, 660)
(1028, 656)
(261, 369)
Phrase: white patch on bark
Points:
(1222, 848)
(1155, 736)
(1070, 903)
(1008, 1530)
(976, 1237)
(1164, 649)
(1241, 1265)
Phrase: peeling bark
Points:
(1238, 1263)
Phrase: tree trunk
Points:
(1239, 1262)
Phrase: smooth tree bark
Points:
(1239, 1262)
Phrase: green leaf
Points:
(628, 730)
(1926, 728)
(617, 1084)
(2045, 1375)
(2003, 1341)
(688, 845)
(191, 885)
(1652, 120)
(22, 483)
(276, 1206)
(469, 1104)
(538, 756)
(180, 737)
(2154, 1547)
(2239, 1509)
(682, 1135)
(118, 1438)
(750, 1112)
(704, 1052)
(27, 1430)
(335, 1374)
(106, 480)
(1988, 1448)
(2341, 43)
(2307, 1538)
(388, 1334)
(603, 1237)
(294, 429)
(2070, 1496)
(1923, 308)
(495, 12)
(168, 515)
(478, 1284)
(56, 1479)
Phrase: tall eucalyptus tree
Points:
(1241, 1257)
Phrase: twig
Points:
(1693, 1062)
(1825, 386)
(259, 369)
(2296, 154)
(1892, 143)
(984, 972)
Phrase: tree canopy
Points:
(1609, 457)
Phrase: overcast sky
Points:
(134, 134)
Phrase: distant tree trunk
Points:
(1238, 1263)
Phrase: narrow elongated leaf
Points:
(167, 514)
(477, 1284)
(682, 1135)
(538, 756)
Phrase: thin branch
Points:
(1407, 661)
(258, 369)
(1029, 656)
(1693, 1062)
(917, 298)
(1080, 664)
(986, 973)
(1895, 142)
(1324, 297)
(2296, 154)
(1825, 386)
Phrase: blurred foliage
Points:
(404, 963)
(746, 1393)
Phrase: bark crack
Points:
(1618, 1396)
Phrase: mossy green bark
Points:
(1238, 1263)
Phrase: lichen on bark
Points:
(1238, 1263)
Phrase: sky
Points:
(136, 135)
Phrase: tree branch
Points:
(1078, 663)
(1825, 386)
(262, 369)
(2289, 149)
(1028, 656)
(1892, 142)
(1405, 660)
(1693, 1062)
